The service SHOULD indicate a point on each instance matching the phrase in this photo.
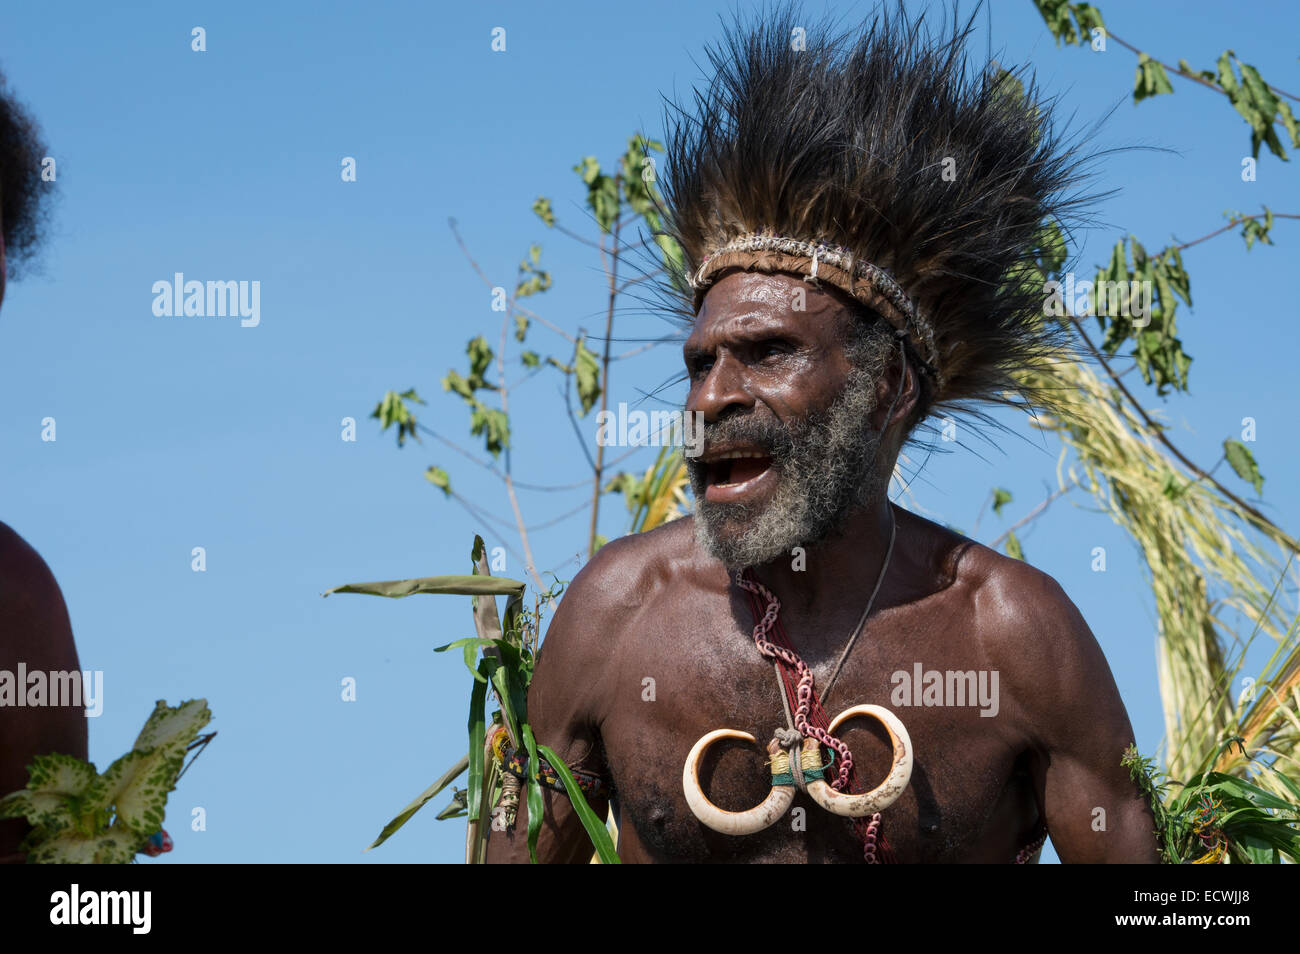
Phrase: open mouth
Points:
(737, 474)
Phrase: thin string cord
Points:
(848, 647)
(889, 552)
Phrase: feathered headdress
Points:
(878, 161)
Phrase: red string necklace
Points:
(809, 717)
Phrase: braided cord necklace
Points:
(796, 683)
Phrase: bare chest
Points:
(686, 674)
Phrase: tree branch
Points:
(1032, 515)
(612, 272)
(1257, 518)
(1185, 74)
(568, 409)
(1233, 224)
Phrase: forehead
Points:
(741, 304)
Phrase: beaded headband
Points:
(867, 283)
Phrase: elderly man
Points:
(34, 626)
(802, 671)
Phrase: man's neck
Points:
(831, 572)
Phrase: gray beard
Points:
(826, 467)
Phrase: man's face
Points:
(789, 451)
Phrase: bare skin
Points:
(655, 606)
(34, 630)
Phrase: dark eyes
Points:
(761, 352)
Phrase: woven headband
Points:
(817, 262)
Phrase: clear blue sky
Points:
(174, 433)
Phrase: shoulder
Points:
(626, 577)
(1051, 669)
(1024, 625)
(35, 633)
(629, 572)
(32, 612)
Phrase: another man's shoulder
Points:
(31, 604)
(35, 633)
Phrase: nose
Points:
(722, 390)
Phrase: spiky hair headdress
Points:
(878, 161)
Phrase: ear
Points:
(898, 387)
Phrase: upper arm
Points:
(564, 711)
(34, 632)
(1077, 728)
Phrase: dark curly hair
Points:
(23, 196)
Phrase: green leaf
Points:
(1173, 488)
(454, 382)
(493, 425)
(596, 829)
(1056, 14)
(137, 784)
(477, 736)
(588, 376)
(588, 169)
(111, 846)
(57, 787)
(471, 645)
(1013, 548)
(536, 808)
(630, 485)
(1265, 107)
(542, 207)
(532, 280)
(639, 190)
(1243, 462)
(1254, 101)
(438, 477)
(79, 816)
(602, 192)
(456, 808)
(1249, 792)
(1253, 230)
(1088, 17)
(406, 813)
(460, 585)
(392, 409)
(480, 358)
(530, 359)
(1151, 79)
(1289, 121)
(1000, 499)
